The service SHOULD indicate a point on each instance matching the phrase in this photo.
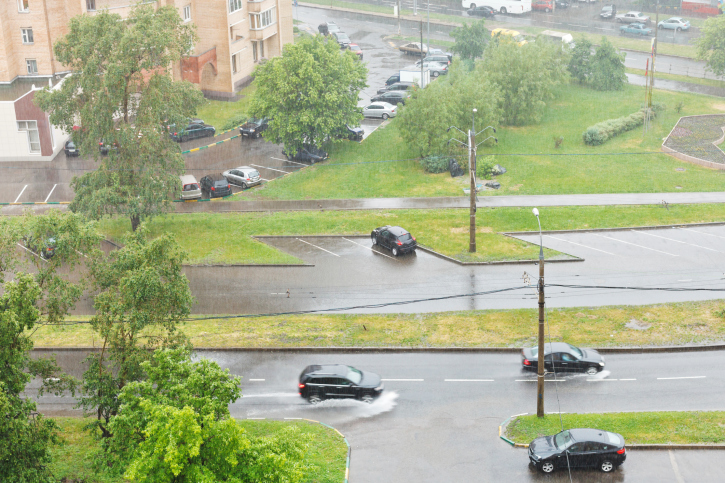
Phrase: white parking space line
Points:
(575, 25)
(21, 194)
(579, 244)
(639, 246)
(255, 379)
(328, 251)
(545, 21)
(628, 379)
(602, 28)
(677, 241)
(266, 167)
(263, 179)
(370, 248)
(702, 232)
(287, 160)
(683, 377)
(32, 252)
(51, 192)
(468, 380)
(257, 418)
(402, 380)
(601, 380)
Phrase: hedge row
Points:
(603, 131)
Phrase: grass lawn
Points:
(327, 452)
(217, 113)
(666, 427)
(680, 78)
(670, 324)
(383, 165)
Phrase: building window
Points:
(257, 50)
(235, 5)
(254, 52)
(32, 66)
(258, 21)
(234, 64)
(27, 35)
(91, 5)
(187, 13)
(31, 127)
(23, 6)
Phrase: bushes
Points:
(603, 131)
(435, 164)
(234, 122)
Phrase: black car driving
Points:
(338, 381)
(254, 127)
(395, 238)
(215, 186)
(563, 357)
(307, 153)
(578, 448)
(192, 131)
(484, 11)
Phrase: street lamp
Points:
(540, 364)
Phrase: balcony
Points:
(264, 33)
(256, 6)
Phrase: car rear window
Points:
(253, 173)
(191, 187)
(614, 438)
(221, 183)
(404, 237)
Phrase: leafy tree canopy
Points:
(121, 93)
(471, 40)
(711, 45)
(607, 67)
(311, 92)
(580, 61)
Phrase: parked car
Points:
(357, 50)
(380, 109)
(608, 12)
(190, 189)
(674, 23)
(484, 11)
(432, 51)
(561, 4)
(392, 80)
(632, 17)
(71, 149)
(443, 59)
(44, 247)
(337, 381)
(342, 39)
(192, 130)
(398, 86)
(545, 5)
(395, 238)
(635, 29)
(436, 68)
(215, 186)
(254, 127)
(414, 48)
(391, 97)
(243, 176)
(578, 448)
(104, 146)
(308, 154)
(352, 133)
(563, 357)
(328, 28)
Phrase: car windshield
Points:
(354, 375)
(576, 351)
(341, 36)
(563, 440)
(354, 47)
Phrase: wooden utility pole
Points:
(540, 357)
(472, 171)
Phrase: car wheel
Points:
(385, 116)
(473, 6)
(606, 466)
(619, 20)
(367, 398)
(591, 370)
(314, 399)
(374, 239)
(503, 10)
(394, 251)
(679, 29)
(547, 10)
(547, 467)
(244, 186)
(435, 74)
(183, 139)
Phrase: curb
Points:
(594, 230)
(503, 262)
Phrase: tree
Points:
(580, 61)
(174, 426)
(471, 40)
(121, 93)
(143, 296)
(608, 68)
(526, 76)
(711, 45)
(310, 93)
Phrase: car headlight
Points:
(601, 364)
(380, 387)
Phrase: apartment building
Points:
(234, 36)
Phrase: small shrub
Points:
(436, 164)
(484, 167)
(605, 130)
(678, 108)
(558, 140)
(235, 121)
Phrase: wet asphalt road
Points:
(438, 418)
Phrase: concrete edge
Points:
(503, 262)
(251, 265)
(402, 350)
(594, 230)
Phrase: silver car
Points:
(674, 23)
(243, 176)
(380, 109)
(436, 68)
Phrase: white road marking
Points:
(545, 21)
(675, 469)
(687, 280)
(575, 25)
(264, 179)
(256, 418)
(634, 244)
(545, 380)
(265, 167)
(468, 380)
(683, 377)
(402, 380)
(600, 380)
(628, 379)
(702, 232)
(602, 28)
(579, 244)
(21, 194)
(370, 248)
(51, 192)
(293, 418)
(32, 252)
(255, 379)
(328, 251)
(677, 241)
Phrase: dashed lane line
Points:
(467, 380)
(682, 377)
(534, 380)
(51, 192)
(369, 248)
(21, 194)
(402, 380)
(320, 248)
(634, 244)
(267, 167)
(255, 379)
(579, 244)
(287, 160)
(677, 241)
(575, 25)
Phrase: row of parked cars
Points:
(332, 29)
(219, 184)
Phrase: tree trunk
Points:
(135, 222)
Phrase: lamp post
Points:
(540, 364)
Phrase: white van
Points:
(190, 189)
(566, 39)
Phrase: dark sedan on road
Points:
(561, 4)
(484, 11)
(192, 131)
(395, 238)
(342, 39)
(71, 149)
(308, 154)
(563, 357)
(391, 97)
(578, 448)
(608, 12)
(215, 186)
(254, 127)
(337, 381)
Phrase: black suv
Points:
(338, 381)
(192, 131)
(307, 153)
(397, 239)
(578, 448)
(71, 149)
(254, 127)
(608, 12)
(391, 97)
(215, 186)
(398, 86)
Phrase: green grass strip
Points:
(666, 427)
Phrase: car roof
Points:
(395, 230)
(588, 434)
(245, 168)
(329, 369)
(216, 177)
(381, 103)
